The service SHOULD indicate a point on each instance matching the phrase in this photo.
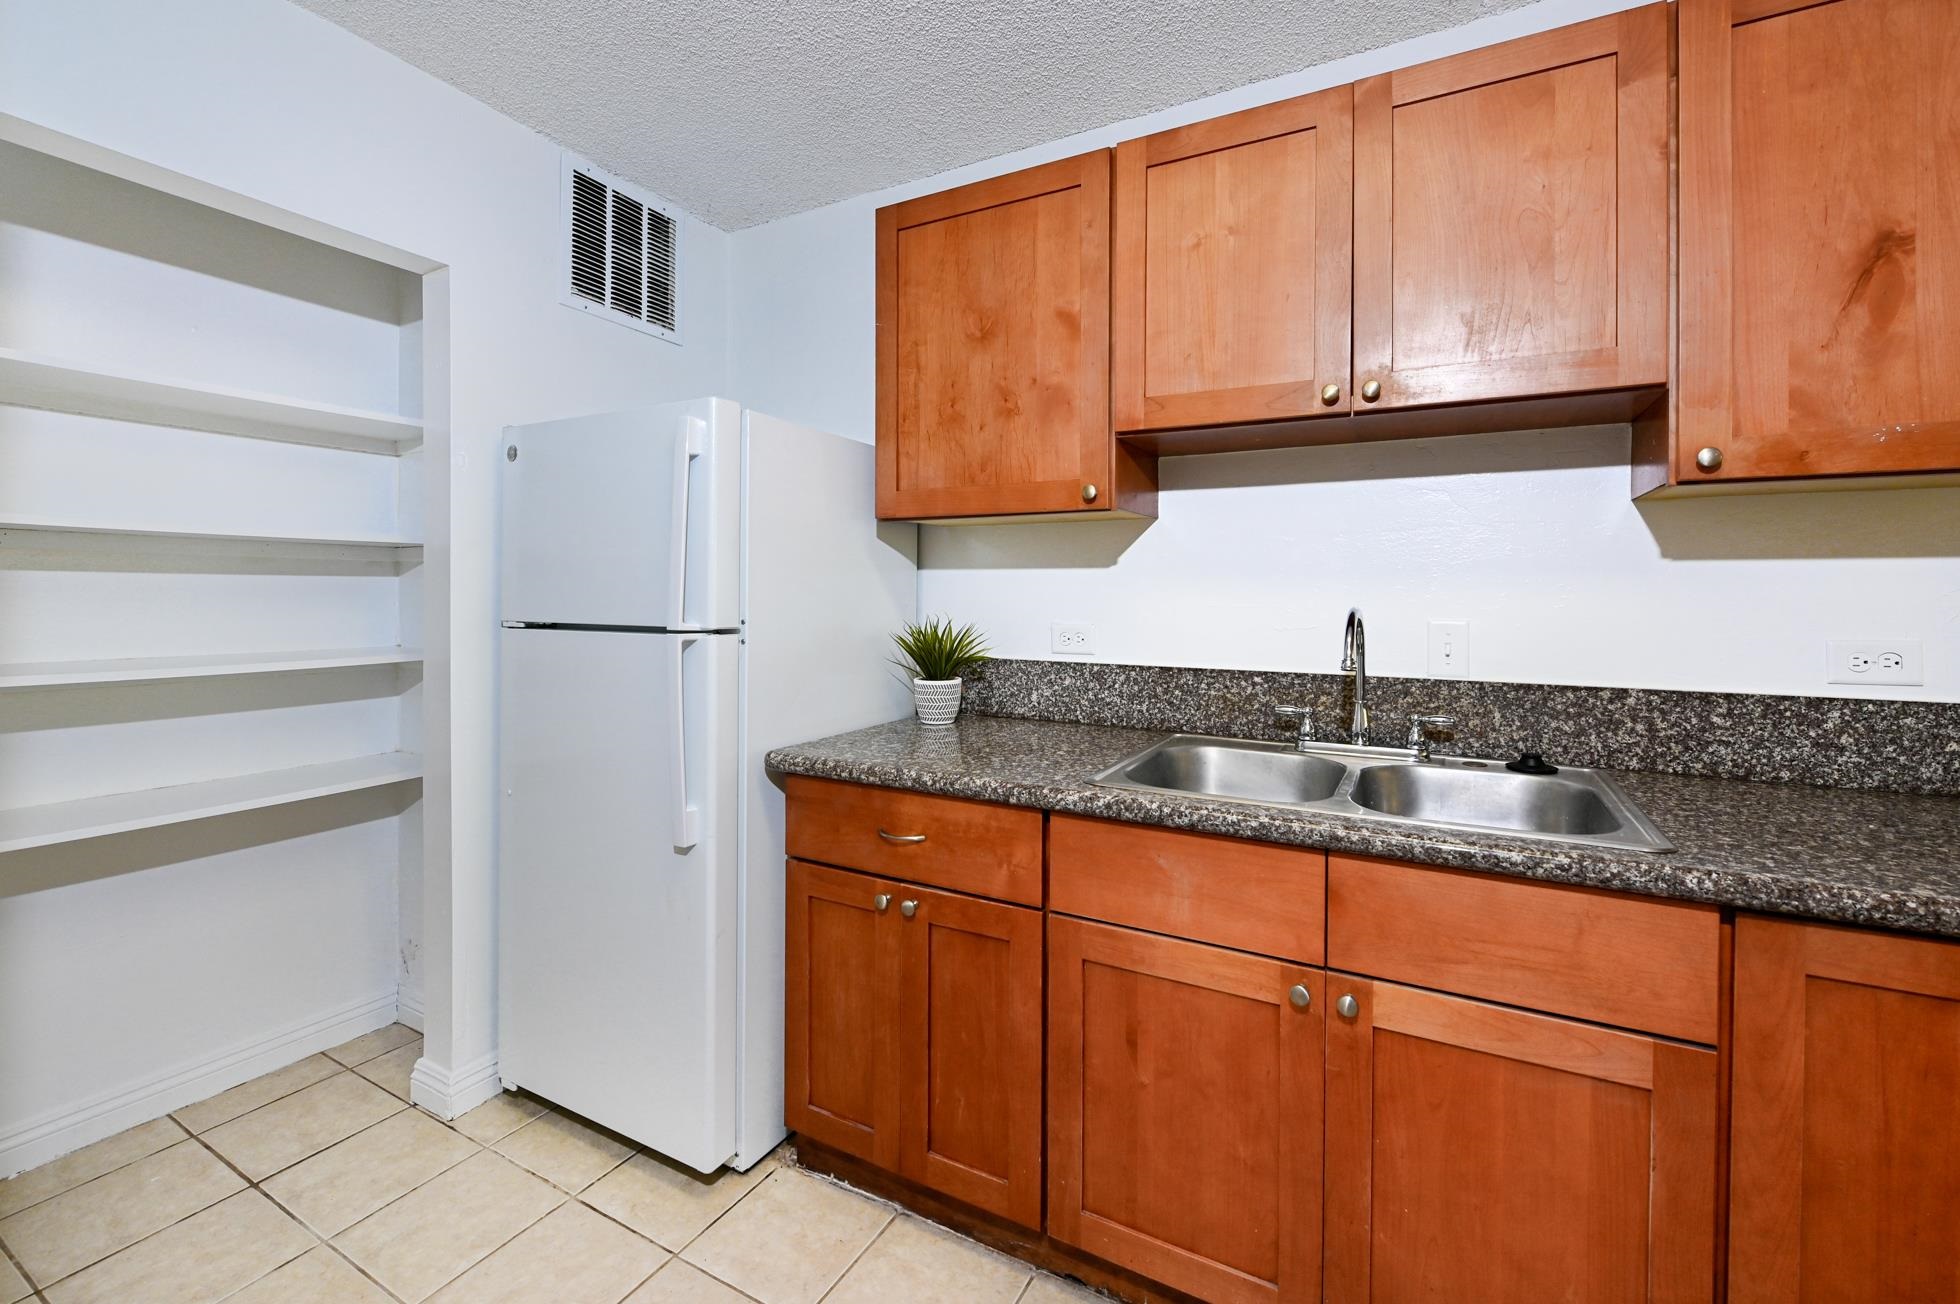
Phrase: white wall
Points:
(264, 99)
(1256, 557)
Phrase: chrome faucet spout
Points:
(1354, 661)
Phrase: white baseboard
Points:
(456, 1092)
(37, 1140)
(410, 1009)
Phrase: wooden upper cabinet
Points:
(1819, 238)
(993, 351)
(1477, 1152)
(1511, 219)
(1232, 274)
(1845, 1133)
(1184, 1124)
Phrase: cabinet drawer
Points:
(1629, 961)
(1246, 895)
(967, 846)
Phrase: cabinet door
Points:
(993, 347)
(1477, 1152)
(841, 1075)
(1845, 1132)
(1510, 218)
(1184, 1123)
(1819, 237)
(1232, 280)
(968, 1024)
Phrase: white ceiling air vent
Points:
(622, 251)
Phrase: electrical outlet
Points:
(1071, 640)
(1449, 649)
(1875, 661)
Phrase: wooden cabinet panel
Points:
(1248, 895)
(1511, 218)
(840, 1074)
(1232, 274)
(1819, 238)
(1478, 1152)
(1844, 1131)
(969, 1022)
(993, 350)
(968, 846)
(1184, 1112)
(1602, 956)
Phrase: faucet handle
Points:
(1304, 714)
(1419, 727)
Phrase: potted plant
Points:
(935, 654)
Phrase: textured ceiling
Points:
(743, 112)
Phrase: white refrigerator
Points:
(683, 588)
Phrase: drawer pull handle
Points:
(908, 908)
(906, 838)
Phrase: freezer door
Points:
(627, 519)
(618, 875)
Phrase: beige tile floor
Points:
(318, 1184)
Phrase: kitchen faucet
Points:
(1354, 661)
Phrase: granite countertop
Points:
(1880, 859)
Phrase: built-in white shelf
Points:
(139, 670)
(28, 521)
(93, 817)
(34, 380)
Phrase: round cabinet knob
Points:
(1709, 459)
(908, 908)
(883, 902)
(1330, 394)
(1089, 493)
(510, 454)
(1348, 1006)
(1300, 996)
(1370, 391)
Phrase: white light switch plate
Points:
(1449, 649)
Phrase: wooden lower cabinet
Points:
(1845, 1119)
(969, 1051)
(839, 1038)
(1184, 1121)
(1477, 1152)
(914, 1034)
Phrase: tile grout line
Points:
(478, 1262)
(879, 1235)
(187, 1134)
(34, 1282)
(33, 1286)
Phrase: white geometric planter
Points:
(936, 700)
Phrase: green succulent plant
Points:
(935, 649)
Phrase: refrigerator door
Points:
(618, 881)
(625, 520)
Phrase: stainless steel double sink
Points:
(1383, 783)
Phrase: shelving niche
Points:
(212, 587)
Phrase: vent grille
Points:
(622, 249)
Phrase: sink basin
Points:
(1487, 798)
(1387, 784)
(1244, 771)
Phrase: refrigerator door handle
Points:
(687, 816)
(690, 446)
